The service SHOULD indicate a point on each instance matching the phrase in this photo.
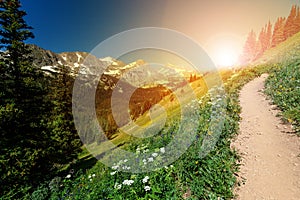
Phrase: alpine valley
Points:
(151, 85)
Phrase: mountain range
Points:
(150, 83)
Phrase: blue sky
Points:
(73, 25)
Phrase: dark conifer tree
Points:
(290, 25)
(37, 130)
(283, 29)
(261, 45)
(250, 48)
(297, 21)
(23, 106)
(278, 33)
(66, 143)
(269, 35)
(264, 39)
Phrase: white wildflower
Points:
(145, 180)
(90, 176)
(147, 188)
(125, 160)
(93, 175)
(128, 182)
(113, 173)
(144, 161)
(125, 167)
(68, 176)
(150, 159)
(155, 154)
(162, 150)
(115, 167)
(117, 186)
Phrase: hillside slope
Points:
(151, 84)
(286, 51)
(282, 86)
(268, 145)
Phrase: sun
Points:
(225, 56)
(224, 49)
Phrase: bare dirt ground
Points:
(270, 165)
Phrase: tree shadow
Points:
(82, 164)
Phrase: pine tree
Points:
(261, 43)
(66, 142)
(278, 33)
(264, 39)
(250, 48)
(297, 21)
(269, 36)
(290, 25)
(23, 108)
(195, 77)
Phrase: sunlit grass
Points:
(191, 176)
(283, 87)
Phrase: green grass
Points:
(286, 52)
(283, 86)
(191, 176)
(283, 83)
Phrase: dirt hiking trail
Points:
(270, 164)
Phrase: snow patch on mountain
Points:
(49, 68)
(79, 57)
(76, 65)
(110, 60)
